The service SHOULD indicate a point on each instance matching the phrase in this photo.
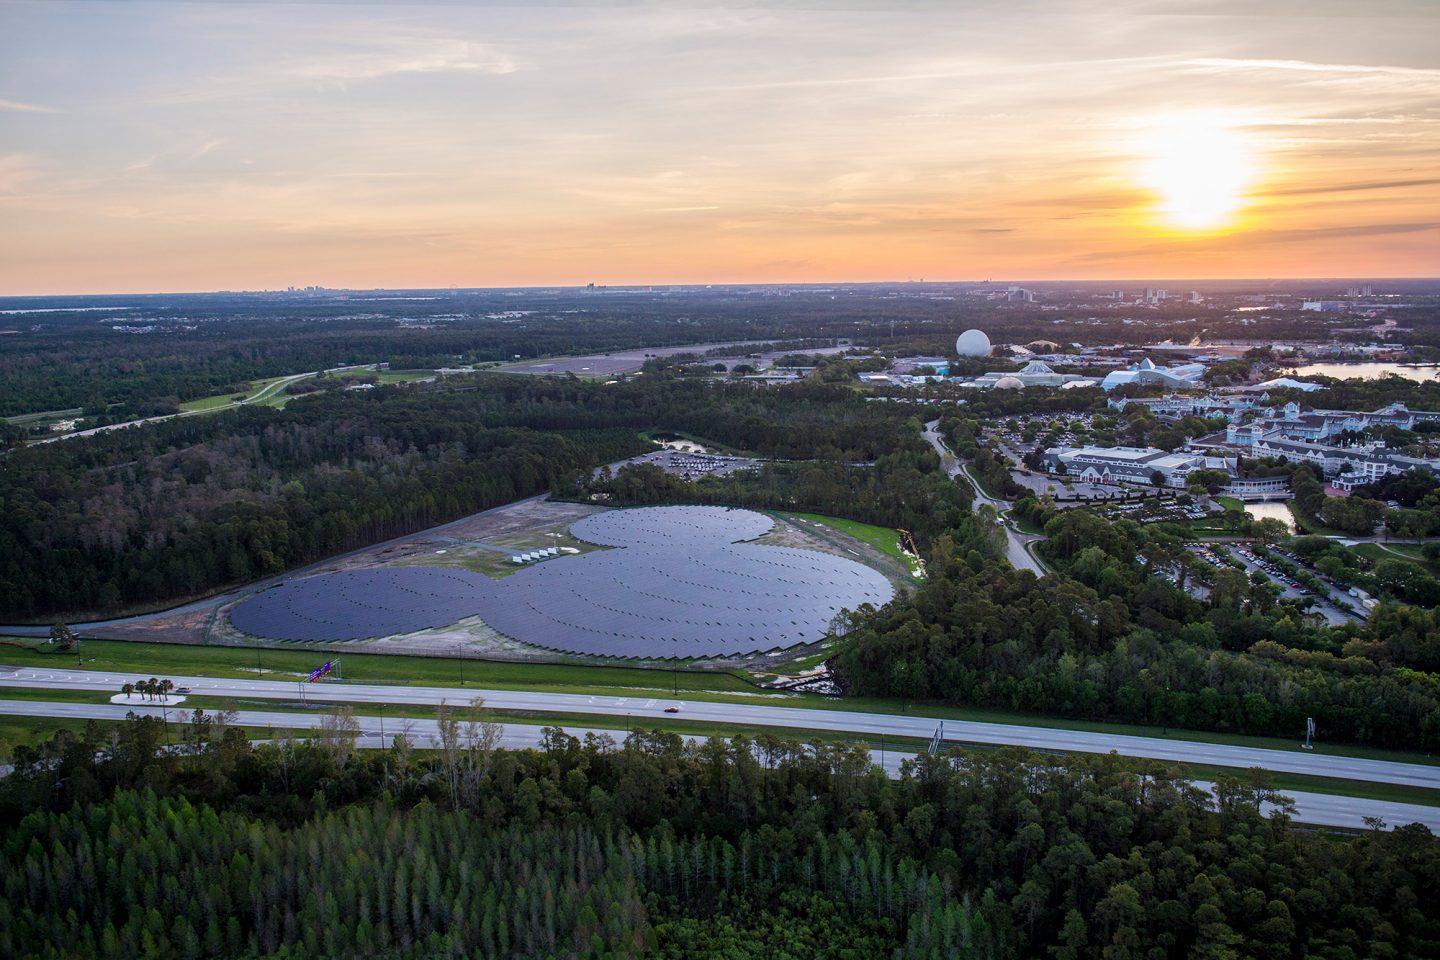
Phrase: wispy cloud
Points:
(1306, 66)
(1367, 185)
(16, 106)
(414, 54)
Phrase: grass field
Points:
(207, 404)
(884, 539)
(405, 376)
(31, 419)
(261, 392)
(1026, 526)
(270, 392)
(162, 659)
(1396, 551)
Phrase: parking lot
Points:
(1290, 589)
(692, 466)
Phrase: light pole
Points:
(461, 649)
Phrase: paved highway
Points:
(1317, 808)
(763, 715)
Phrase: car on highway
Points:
(672, 709)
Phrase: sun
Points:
(1199, 168)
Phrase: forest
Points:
(121, 356)
(150, 516)
(114, 847)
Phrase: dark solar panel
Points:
(683, 584)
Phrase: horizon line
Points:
(628, 285)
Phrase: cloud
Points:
(1306, 66)
(15, 106)
(1232, 242)
(409, 55)
(1352, 187)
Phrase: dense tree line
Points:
(145, 516)
(903, 490)
(167, 511)
(114, 848)
(1103, 638)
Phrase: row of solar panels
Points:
(681, 588)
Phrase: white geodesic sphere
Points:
(972, 343)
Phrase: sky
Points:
(174, 146)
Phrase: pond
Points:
(1274, 510)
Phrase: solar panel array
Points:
(356, 604)
(680, 585)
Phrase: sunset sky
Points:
(243, 145)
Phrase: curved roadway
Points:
(1016, 543)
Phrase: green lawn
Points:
(206, 404)
(162, 659)
(31, 419)
(405, 376)
(1025, 525)
(976, 481)
(1396, 551)
(1230, 503)
(884, 539)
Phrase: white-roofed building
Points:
(1114, 465)
(1036, 373)
(1145, 372)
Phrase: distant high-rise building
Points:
(1154, 295)
(1195, 296)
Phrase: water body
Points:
(1419, 372)
(1275, 510)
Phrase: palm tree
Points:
(128, 689)
(165, 687)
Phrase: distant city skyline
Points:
(175, 146)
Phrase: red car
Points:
(672, 709)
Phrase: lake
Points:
(1418, 372)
